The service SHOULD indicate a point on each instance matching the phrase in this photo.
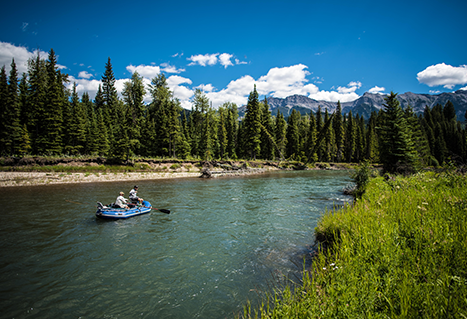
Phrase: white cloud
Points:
(237, 61)
(84, 85)
(175, 80)
(443, 74)
(206, 87)
(376, 90)
(224, 59)
(203, 60)
(146, 71)
(171, 69)
(85, 75)
(464, 88)
(351, 88)
(21, 55)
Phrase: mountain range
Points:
(367, 103)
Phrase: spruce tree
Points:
(267, 131)
(53, 110)
(293, 136)
(253, 125)
(109, 100)
(92, 131)
(231, 127)
(329, 141)
(281, 134)
(311, 140)
(338, 132)
(397, 153)
(350, 137)
(3, 111)
(133, 95)
(35, 109)
(222, 133)
(13, 112)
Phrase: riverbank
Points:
(400, 251)
(49, 170)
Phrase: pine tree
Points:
(76, 137)
(267, 131)
(35, 110)
(158, 111)
(311, 140)
(397, 153)
(293, 136)
(231, 127)
(222, 133)
(253, 125)
(13, 113)
(281, 134)
(3, 111)
(371, 150)
(53, 120)
(350, 137)
(92, 131)
(109, 100)
(329, 141)
(418, 137)
(197, 118)
(338, 132)
(133, 95)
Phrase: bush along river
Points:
(226, 242)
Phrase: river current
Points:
(226, 241)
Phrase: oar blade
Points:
(165, 211)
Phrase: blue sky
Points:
(327, 50)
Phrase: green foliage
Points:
(253, 125)
(361, 177)
(399, 252)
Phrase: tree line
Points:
(40, 116)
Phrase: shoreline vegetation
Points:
(399, 251)
(32, 171)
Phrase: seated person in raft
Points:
(121, 201)
(134, 197)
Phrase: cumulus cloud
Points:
(85, 75)
(146, 71)
(224, 59)
(21, 55)
(377, 90)
(442, 74)
(167, 68)
(203, 60)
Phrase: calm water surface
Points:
(225, 242)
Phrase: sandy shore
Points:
(10, 179)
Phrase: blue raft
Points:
(108, 212)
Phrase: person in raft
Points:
(133, 197)
(121, 201)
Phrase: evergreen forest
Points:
(40, 116)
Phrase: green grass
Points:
(399, 252)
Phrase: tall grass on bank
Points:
(399, 252)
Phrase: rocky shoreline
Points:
(30, 171)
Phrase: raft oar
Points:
(165, 211)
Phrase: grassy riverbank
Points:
(399, 252)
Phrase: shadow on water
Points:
(225, 241)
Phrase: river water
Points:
(226, 241)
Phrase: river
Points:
(226, 241)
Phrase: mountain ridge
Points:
(366, 103)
